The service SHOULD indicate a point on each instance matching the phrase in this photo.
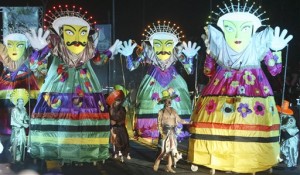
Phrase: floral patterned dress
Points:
(70, 122)
(235, 121)
(160, 76)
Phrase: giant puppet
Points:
(18, 71)
(235, 121)
(161, 49)
(70, 122)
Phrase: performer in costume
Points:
(289, 136)
(16, 73)
(70, 122)
(167, 120)
(19, 121)
(235, 121)
(164, 50)
(119, 135)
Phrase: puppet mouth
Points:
(14, 54)
(238, 42)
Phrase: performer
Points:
(19, 121)
(70, 122)
(163, 52)
(235, 121)
(16, 73)
(119, 134)
(167, 120)
(289, 136)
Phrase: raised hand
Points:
(115, 47)
(190, 50)
(38, 41)
(127, 48)
(279, 42)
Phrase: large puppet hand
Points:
(127, 48)
(279, 42)
(190, 50)
(38, 41)
(115, 47)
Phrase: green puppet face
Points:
(238, 34)
(16, 49)
(75, 37)
(163, 48)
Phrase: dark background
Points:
(130, 17)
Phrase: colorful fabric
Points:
(235, 120)
(70, 122)
(161, 75)
(15, 74)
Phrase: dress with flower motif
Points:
(235, 121)
(160, 76)
(70, 121)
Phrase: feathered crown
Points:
(73, 15)
(162, 31)
(238, 12)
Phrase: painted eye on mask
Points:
(83, 33)
(20, 46)
(157, 45)
(229, 29)
(69, 32)
(246, 28)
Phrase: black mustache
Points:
(163, 53)
(76, 43)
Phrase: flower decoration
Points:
(211, 107)
(79, 91)
(227, 109)
(244, 109)
(101, 106)
(155, 96)
(266, 90)
(216, 81)
(234, 84)
(227, 75)
(56, 103)
(249, 78)
(259, 108)
(88, 86)
(242, 90)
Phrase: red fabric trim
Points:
(236, 126)
(81, 116)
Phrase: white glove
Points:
(278, 42)
(38, 41)
(115, 47)
(190, 50)
(127, 48)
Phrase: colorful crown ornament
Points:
(238, 12)
(73, 15)
(19, 94)
(16, 32)
(163, 30)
